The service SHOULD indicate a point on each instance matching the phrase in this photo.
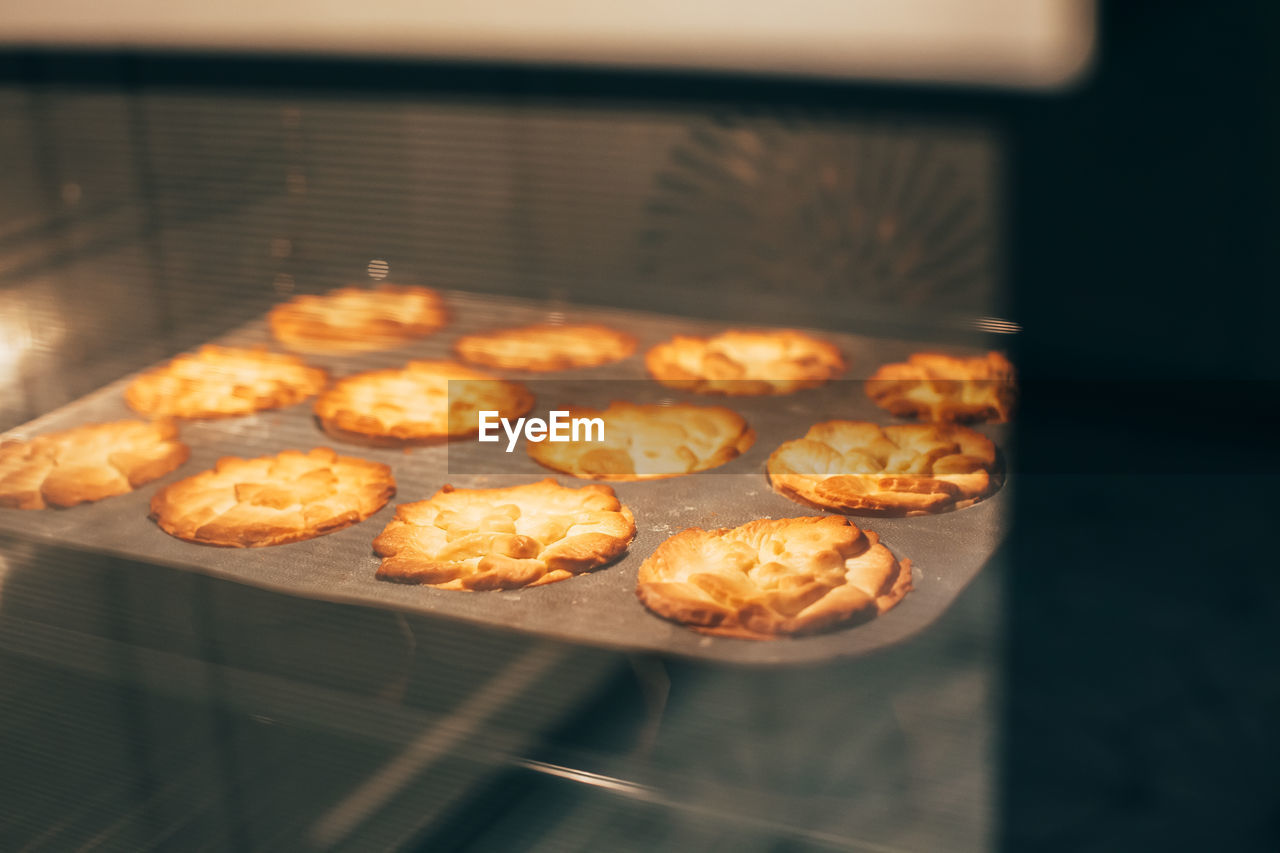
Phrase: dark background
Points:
(1141, 666)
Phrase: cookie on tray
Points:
(745, 363)
(904, 469)
(357, 319)
(87, 463)
(218, 381)
(271, 500)
(420, 403)
(645, 442)
(771, 578)
(937, 387)
(528, 535)
(545, 347)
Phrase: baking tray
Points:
(947, 550)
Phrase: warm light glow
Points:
(26, 327)
(15, 340)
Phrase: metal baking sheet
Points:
(599, 608)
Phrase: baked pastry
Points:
(545, 348)
(744, 363)
(87, 463)
(357, 319)
(645, 442)
(271, 500)
(773, 577)
(219, 381)
(904, 469)
(504, 538)
(416, 404)
(936, 387)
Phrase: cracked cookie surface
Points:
(769, 578)
(220, 381)
(356, 319)
(645, 442)
(546, 348)
(272, 500)
(416, 404)
(87, 463)
(863, 468)
(936, 387)
(745, 363)
(480, 539)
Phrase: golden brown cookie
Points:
(936, 387)
(219, 382)
(745, 363)
(904, 469)
(356, 319)
(249, 503)
(544, 348)
(504, 538)
(416, 404)
(645, 442)
(773, 577)
(87, 463)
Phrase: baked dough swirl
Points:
(936, 387)
(546, 348)
(87, 463)
(648, 442)
(508, 538)
(271, 500)
(356, 319)
(904, 469)
(745, 363)
(220, 381)
(420, 403)
(773, 577)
